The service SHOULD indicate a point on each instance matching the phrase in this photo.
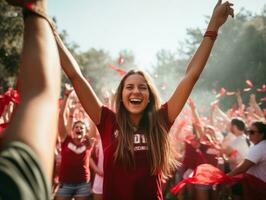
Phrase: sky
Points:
(141, 26)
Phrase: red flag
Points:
(206, 174)
(118, 70)
(249, 83)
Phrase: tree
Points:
(238, 55)
(11, 30)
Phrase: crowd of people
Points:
(129, 146)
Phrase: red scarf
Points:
(205, 174)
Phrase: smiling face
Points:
(135, 94)
(254, 135)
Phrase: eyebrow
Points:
(141, 84)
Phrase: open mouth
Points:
(79, 134)
(135, 101)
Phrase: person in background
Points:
(255, 161)
(76, 148)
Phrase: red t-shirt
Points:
(75, 162)
(128, 184)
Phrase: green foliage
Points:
(11, 30)
(238, 55)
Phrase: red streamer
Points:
(118, 70)
(206, 174)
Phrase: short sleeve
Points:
(164, 116)
(253, 155)
(21, 176)
(107, 116)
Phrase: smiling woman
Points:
(134, 137)
(76, 147)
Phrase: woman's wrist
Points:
(210, 34)
(213, 26)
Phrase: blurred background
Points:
(158, 36)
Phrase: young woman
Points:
(76, 147)
(134, 137)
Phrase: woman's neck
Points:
(135, 119)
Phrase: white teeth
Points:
(136, 100)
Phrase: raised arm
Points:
(253, 104)
(198, 61)
(65, 122)
(35, 120)
(241, 105)
(85, 93)
(195, 117)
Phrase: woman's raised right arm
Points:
(85, 93)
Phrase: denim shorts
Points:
(73, 190)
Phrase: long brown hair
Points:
(152, 124)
